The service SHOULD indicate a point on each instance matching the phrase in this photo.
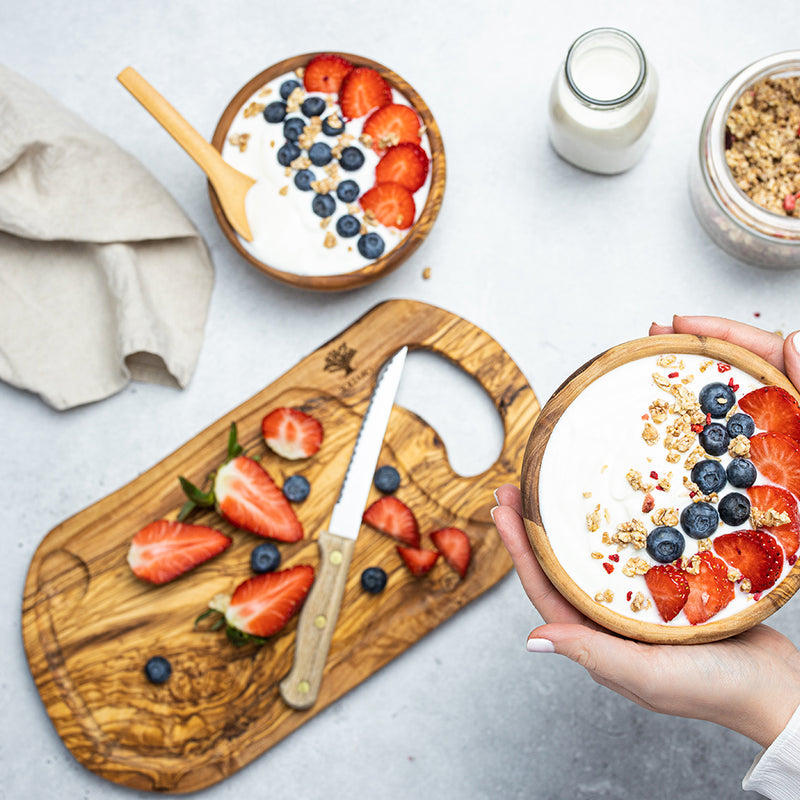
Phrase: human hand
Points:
(749, 683)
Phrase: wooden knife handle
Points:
(318, 616)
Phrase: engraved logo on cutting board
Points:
(340, 358)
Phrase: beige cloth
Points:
(103, 278)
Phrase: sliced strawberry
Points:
(419, 562)
(668, 588)
(754, 553)
(777, 457)
(263, 604)
(391, 125)
(325, 73)
(248, 498)
(766, 498)
(773, 409)
(291, 433)
(165, 549)
(394, 518)
(406, 164)
(454, 545)
(709, 590)
(721, 568)
(363, 90)
(392, 205)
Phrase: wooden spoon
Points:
(230, 185)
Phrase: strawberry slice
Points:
(773, 409)
(406, 164)
(165, 549)
(291, 433)
(263, 604)
(709, 590)
(391, 125)
(668, 588)
(248, 498)
(777, 457)
(754, 553)
(419, 562)
(765, 498)
(363, 90)
(394, 518)
(325, 73)
(392, 205)
(454, 545)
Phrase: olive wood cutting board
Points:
(89, 625)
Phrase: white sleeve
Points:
(775, 773)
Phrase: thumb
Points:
(791, 357)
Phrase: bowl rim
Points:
(715, 349)
(413, 237)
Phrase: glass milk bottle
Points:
(601, 102)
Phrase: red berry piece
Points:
(291, 433)
(766, 498)
(777, 458)
(325, 73)
(754, 553)
(669, 590)
(406, 164)
(773, 409)
(454, 545)
(391, 204)
(362, 91)
(709, 589)
(419, 562)
(394, 518)
(391, 125)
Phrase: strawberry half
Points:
(325, 73)
(391, 125)
(773, 409)
(754, 553)
(165, 549)
(291, 433)
(668, 588)
(263, 604)
(392, 205)
(765, 498)
(363, 90)
(406, 164)
(394, 518)
(454, 545)
(709, 590)
(419, 562)
(777, 457)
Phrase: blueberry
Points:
(370, 245)
(323, 205)
(275, 112)
(287, 153)
(741, 473)
(303, 179)
(265, 558)
(287, 87)
(347, 226)
(292, 128)
(347, 191)
(741, 425)
(716, 399)
(320, 154)
(373, 579)
(296, 488)
(387, 479)
(714, 439)
(665, 544)
(709, 476)
(313, 106)
(157, 669)
(333, 125)
(699, 520)
(734, 508)
(351, 159)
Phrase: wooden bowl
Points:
(551, 413)
(415, 235)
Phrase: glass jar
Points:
(737, 224)
(601, 102)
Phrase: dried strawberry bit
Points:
(698, 427)
(629, 596)
(708, 419)
(609, 568)
(660, 488)
(673, 374)
(734, 386)
(757, 596)
(648, 504)
(789, 203)
(614, 557)
(723, 367)
(654, 475)
(792, 558)
(645, 416)
(756, 313)
(692, 494)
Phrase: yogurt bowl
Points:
(632, 502)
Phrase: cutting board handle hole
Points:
(457, 407)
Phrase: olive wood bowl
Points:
(413, 237)
(634, 629)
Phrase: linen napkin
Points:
(103, 278)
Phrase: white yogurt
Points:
(287, 234)
(591, 450)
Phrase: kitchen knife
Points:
(320, 611)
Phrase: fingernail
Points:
(496, 498)
(491, 512)
(540, 646)
(796, 342)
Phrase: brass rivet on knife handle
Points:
(317, 622)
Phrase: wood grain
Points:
(641, 348)
(416, 234)
(89, 625)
